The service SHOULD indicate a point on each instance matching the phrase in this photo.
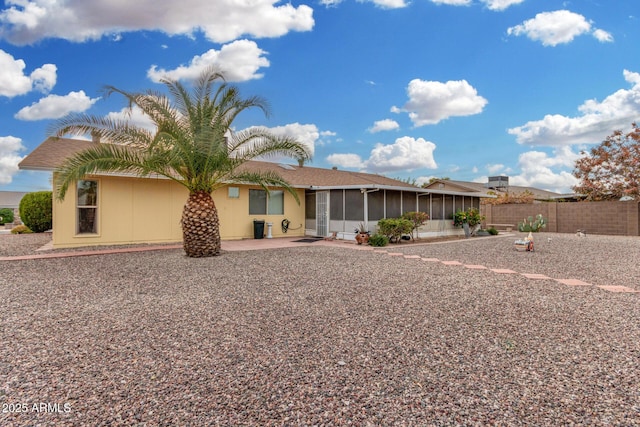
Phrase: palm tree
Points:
(192, 144)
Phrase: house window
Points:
(234, 193)
(262, 204)
(87, 201)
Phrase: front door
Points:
(322, 213)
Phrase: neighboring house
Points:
(110, 208)
(11, 200)
(497, 185)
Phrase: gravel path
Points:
(324, 336)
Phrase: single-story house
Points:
(11, 200)
(107, 208)
(497, 185)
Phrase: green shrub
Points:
(492, 231)
(36, 210)
(21, 229)
(471, 216)
(417, 218)
(378, 240)
(6, 216)
(394, 228)
(533, 225)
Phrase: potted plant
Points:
(362, 234)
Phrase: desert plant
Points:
(6, 216)
(394, 228)
(530, 224)
(21, 229)
(378, 240)
(417, 218)
(36, 210)
(492, 231)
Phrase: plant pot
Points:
(362, 238)
(467, 230)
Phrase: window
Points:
(234, 193)
(262, 204)
(87, 201)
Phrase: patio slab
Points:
(573, 282)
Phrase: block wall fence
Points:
(613, 218)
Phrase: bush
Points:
(471, 216)
(533, 225)
(492, 231)
(378, 240)
(394, 228)
(21, 229)
(417, 218)
(36, 210)
(6, 216)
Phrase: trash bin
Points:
(258, 229)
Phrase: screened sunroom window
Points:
(87, 207)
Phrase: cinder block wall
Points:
(613, 218)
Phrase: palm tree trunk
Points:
(200, 226)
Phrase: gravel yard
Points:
(321, 335)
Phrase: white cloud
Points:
(9, 158)
(494, 169)
(500, 5)
(558, 27)
(134, 116)
(452, 2)
(390, 4)
(540, 170)
(14, 82)
(238, 61)
(598, 119)
(405, 154)
(56, 106)
(384, 125)
(430, 101)
(603, 36)
(348, 161)
(27, 21)
(305, 134)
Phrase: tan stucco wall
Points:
(137, 210)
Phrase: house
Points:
(497, 185)
(108, 208)
(11, 200)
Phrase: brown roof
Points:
(53, 151)
(449, 184)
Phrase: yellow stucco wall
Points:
(145, 210)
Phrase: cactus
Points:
(532, 225)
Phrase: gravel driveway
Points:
(322, 335)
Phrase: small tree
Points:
(36, 210)
(612, 169)
(417, 218)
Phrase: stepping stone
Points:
(431, 259)
(379, 251)
(451, 262)
(475, 267)
(503, 271)
(573, 282)
(536, 276)
(412, 256)
(395, 253)
(619, 289)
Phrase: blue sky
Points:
(410, 89)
